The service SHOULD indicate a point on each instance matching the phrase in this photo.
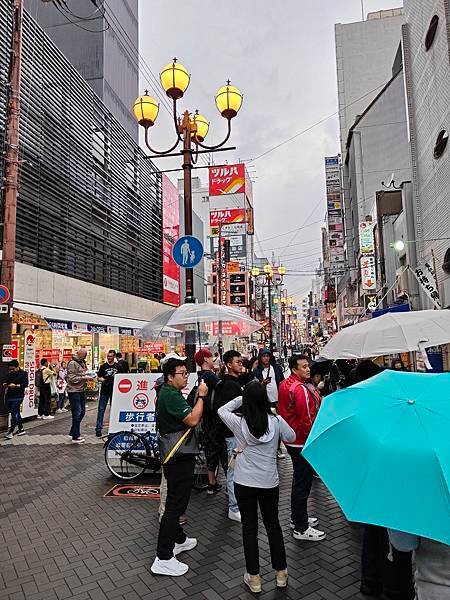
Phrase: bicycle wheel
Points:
(126, 455)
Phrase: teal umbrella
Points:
(382, 447)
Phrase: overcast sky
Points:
(282, 57)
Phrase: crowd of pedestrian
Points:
(241, 412)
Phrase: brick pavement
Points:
(59, 538)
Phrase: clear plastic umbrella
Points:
(190, 316)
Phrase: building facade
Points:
(89, 232)
(427, 67)
(101, 41)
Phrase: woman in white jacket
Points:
(257, 433)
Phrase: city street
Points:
(60, 538)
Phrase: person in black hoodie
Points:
(215, 447)
(269, 373)
(228, 389)
(15, 384)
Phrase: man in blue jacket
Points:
(271, 375)
(15, 385)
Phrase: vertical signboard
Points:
(29, 406)
(334, 214)
(171, 233)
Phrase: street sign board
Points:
(4, 294)
(368, 273)
(187, 252)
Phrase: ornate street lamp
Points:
(191, 130)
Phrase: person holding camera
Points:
(173, 416)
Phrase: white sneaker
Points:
(48, 417)
(312, 522)
(310, 535)
(40, 417)
(59, 410)
(9, 435)
(234, 516)
(171, 567)
(188, 544)
(79, 441)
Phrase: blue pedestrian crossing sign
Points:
(187, 252)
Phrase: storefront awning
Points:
(64, 315)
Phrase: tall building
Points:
(427, 71)
(364, 54)
(101, 41)
(89, 209)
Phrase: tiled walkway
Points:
(60, 538)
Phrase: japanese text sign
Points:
(227, 179)
(427, 281)
(368, 273)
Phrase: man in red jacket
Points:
(298, 406)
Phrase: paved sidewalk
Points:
(60, 538)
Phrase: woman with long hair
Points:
(257, 432)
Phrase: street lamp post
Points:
(191, 130)
(269, 272)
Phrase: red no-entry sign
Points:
(125, 386)
(4, 294)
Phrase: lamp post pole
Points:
(191, 130)
(269, 294)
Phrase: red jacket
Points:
(298, 406)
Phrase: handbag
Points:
(177, 443)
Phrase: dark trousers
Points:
(102, 404)
(78, 407)
(179, 475)
(248, 499)
(392, 577)
(301, 487)
(14, 409)
(45, 395)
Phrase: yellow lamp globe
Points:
(228, 101)
(202, 125)
(255, 272)
(175, 79)
(146, 110)
(267, 269)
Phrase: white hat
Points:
(171, 355)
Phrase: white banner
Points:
(427, 280)
(133, 402)
(368, 273)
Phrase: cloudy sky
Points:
(282, 57)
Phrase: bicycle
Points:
(129, 454)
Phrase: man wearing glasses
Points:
(174, 414)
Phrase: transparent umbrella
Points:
(188, 316)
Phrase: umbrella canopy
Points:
(390, 334)
(382, 448)
(187, 315)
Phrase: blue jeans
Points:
(232, 502)
(78, 405)
(60, 401)
(102, 404)
(14, 409)
(301, 487)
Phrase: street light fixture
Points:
(269, 271)
(191, 131)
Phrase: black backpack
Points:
(210, 401)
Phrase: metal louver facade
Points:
(90, 205)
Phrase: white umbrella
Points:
(390, 334)
(187, 315)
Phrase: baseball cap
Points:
(171, 355)
(201, 354)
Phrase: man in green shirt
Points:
(173, 414)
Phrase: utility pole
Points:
(10, 182)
